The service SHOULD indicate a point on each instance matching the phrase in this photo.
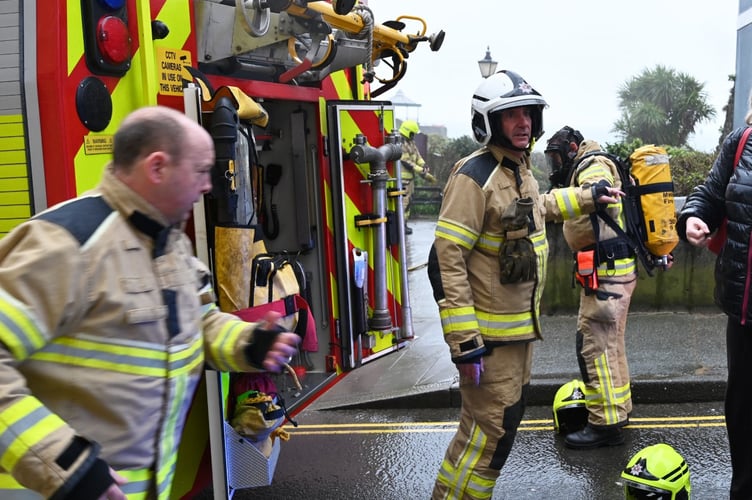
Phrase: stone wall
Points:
(687, 286)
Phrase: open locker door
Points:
(369, 242)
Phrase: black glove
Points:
(600, 189)
(261, 343)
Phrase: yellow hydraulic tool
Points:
(386, 41)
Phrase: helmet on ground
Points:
(409, 128)
(503, 90)
(656, 472)
(559, 155)
(570, 413)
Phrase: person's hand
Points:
(697, 232)
(471, 371)
(669, 262)
(114, 492)
(284, 346)
(604, 195)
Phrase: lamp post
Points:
(487, 65)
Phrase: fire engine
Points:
(307, 160)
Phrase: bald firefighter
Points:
(107, 320)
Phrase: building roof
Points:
(400, 99)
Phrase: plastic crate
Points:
(247, 467)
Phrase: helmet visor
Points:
(636, 491)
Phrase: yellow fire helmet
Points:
(570, 414)
(657, 471)
(409, 128)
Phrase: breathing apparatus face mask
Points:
(554, 161)
(557, 165)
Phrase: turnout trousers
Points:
(490, 415)
(602, 355)
(408, 185)
(737, 408)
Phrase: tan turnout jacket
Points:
(106, 320)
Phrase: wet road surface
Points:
(395, 454)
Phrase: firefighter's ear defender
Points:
(570, 413)
(657, 471)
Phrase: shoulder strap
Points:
(629, 233)
(618, 162)
(742, 143)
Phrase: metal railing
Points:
(426, 195)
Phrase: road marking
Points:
(686, 422)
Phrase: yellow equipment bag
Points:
(648, 204)
(654, 188)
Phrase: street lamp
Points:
(487, 65)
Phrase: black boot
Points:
(594, 437)
(408, 229)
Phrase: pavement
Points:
(674, 357)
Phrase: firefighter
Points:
(412, 163)
(487, 269)
(107, 319)
(604, 303)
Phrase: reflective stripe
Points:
(136, 488)
(104, 356)
(10, 489)
(461, 479)
(122, 357)
(463, 319)
(456, 233)
(458, 319)
(620, 267)
(505, 325)
(18, 328)
(184, 359)
(207, 308)
(207, 299)
(608, 396)
(489, 243)
(222, 348)
(595, 171)
(22, 426)
(138, 483)
(169, 441)
(566, 199)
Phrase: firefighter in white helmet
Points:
(487, 269)
(412, 164)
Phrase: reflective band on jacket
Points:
(489, 324)
(566, 199)
(456, 233)
(18, 328)
(137, 487)
(133, 358)
(23, 425)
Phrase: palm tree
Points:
(661, 106)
